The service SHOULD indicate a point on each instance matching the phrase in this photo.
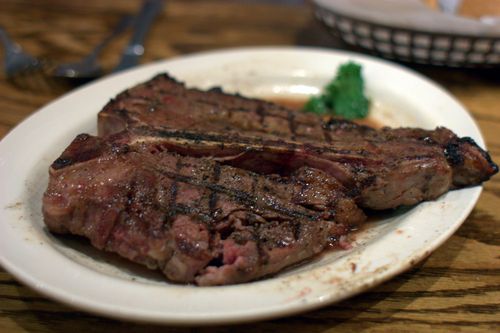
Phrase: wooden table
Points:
(456, 288)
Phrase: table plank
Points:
(456, 288)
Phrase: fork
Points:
(20, 67)
(88, 67)
(135, 48)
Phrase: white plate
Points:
(71, 272)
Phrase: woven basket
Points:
(411, 45)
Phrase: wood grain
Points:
(456, 289)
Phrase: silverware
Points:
(449, 6)
(88, 68)
(135, 49)
(20, 67)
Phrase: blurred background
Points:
(55, 32)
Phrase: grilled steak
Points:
(192, 218)
(381, 168)
(212, 188)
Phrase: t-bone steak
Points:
(382, 168)
(212, 188)
(192, 218)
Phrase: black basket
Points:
(411, 45)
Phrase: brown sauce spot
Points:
(15, 205)
(298, 103)
(353, 267)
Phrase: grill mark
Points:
(122, 112)
(255, 180)
(277, 112)
(181, 209)
(262, 257)
(326, 135)
(260, 110)
(212, 204)
(202, 101)
(61, 163)
(188, 210)
(239, 196)
(174, 188)
(297, 229)
(199, 137)
(454, 154)
(212, 201)
(250, 110)
(250, 218)
(126, 209)
(292, 125)
(262, 113)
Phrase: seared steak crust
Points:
(382, 168)
(212, 188)
(378, 176)
(194, 219)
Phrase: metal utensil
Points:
(88, 68)
(135, 48)
(20, 67)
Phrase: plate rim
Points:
(242, 317)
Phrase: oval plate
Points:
(70, 271)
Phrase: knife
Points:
(135, 49)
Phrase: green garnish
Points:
(343, 96)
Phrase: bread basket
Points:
(409, 31)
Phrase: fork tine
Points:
(28, 72)
(29, 78)
(22, 69)
(37, 78)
